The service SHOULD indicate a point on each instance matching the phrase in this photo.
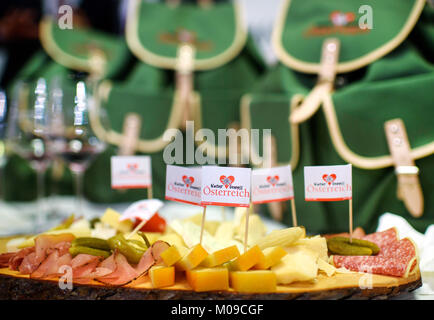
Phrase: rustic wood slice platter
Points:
(340, 286)
(14, 285)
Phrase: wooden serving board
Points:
(340, 286)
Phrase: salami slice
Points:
(384, 240)
(396, 258)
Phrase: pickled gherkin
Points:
(75, 250)
(343, 246)
(130, 250)
(90, 242)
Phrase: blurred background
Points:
(67, 92)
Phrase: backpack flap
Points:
(303, 26)
(332, 37)
(358, 115)
(83, 50)
(200, 43)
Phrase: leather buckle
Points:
(406, 170)
(409, 188)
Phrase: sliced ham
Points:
(85, 271)
(62, 247)
(48, 266)
(64, 260)
(12, 260)
(123, 274)
(157, 248)
(5, 257)
(109, 263)
(45, 244)
(146, 262)
(83, 259)
(29, 264)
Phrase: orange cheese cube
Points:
(172, 255)
(257, 281)
(247, 260)
(208, 279)
(192, 259)
(162, 276)
(221, 256)
(272, 256)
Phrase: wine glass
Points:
(75, 140)
(26, 136)
(3, 118)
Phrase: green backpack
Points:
(378, 87)
(194, 62)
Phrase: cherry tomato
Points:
(155, 224)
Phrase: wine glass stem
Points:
(78, 175)
(41, 217)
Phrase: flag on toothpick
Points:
(328, 183)
(131, 172)
(226, 186)
(183, 184)
(272, 184)
(143, 209)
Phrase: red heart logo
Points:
(132, 166)
(188, 180)
(227, 181)
(273, 180)
(329, 178)
(339, 18)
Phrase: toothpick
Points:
(224, 213)
(202, 227)
(136, 229)
(294, 214)
(350, 202)
(150, 193)
(246, 230)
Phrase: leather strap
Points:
(130, 137)
(184, 79)
(326, 78)
(409, 188)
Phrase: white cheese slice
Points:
(300, 264)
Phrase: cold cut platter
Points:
(105, 260)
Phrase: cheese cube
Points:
(208, 279)
(221, 256)
(247, 260)
(172, 255)
(162, 276)
(257, 281)
(272, 256)
(112, 217)
(192, 259)
(300, 264)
